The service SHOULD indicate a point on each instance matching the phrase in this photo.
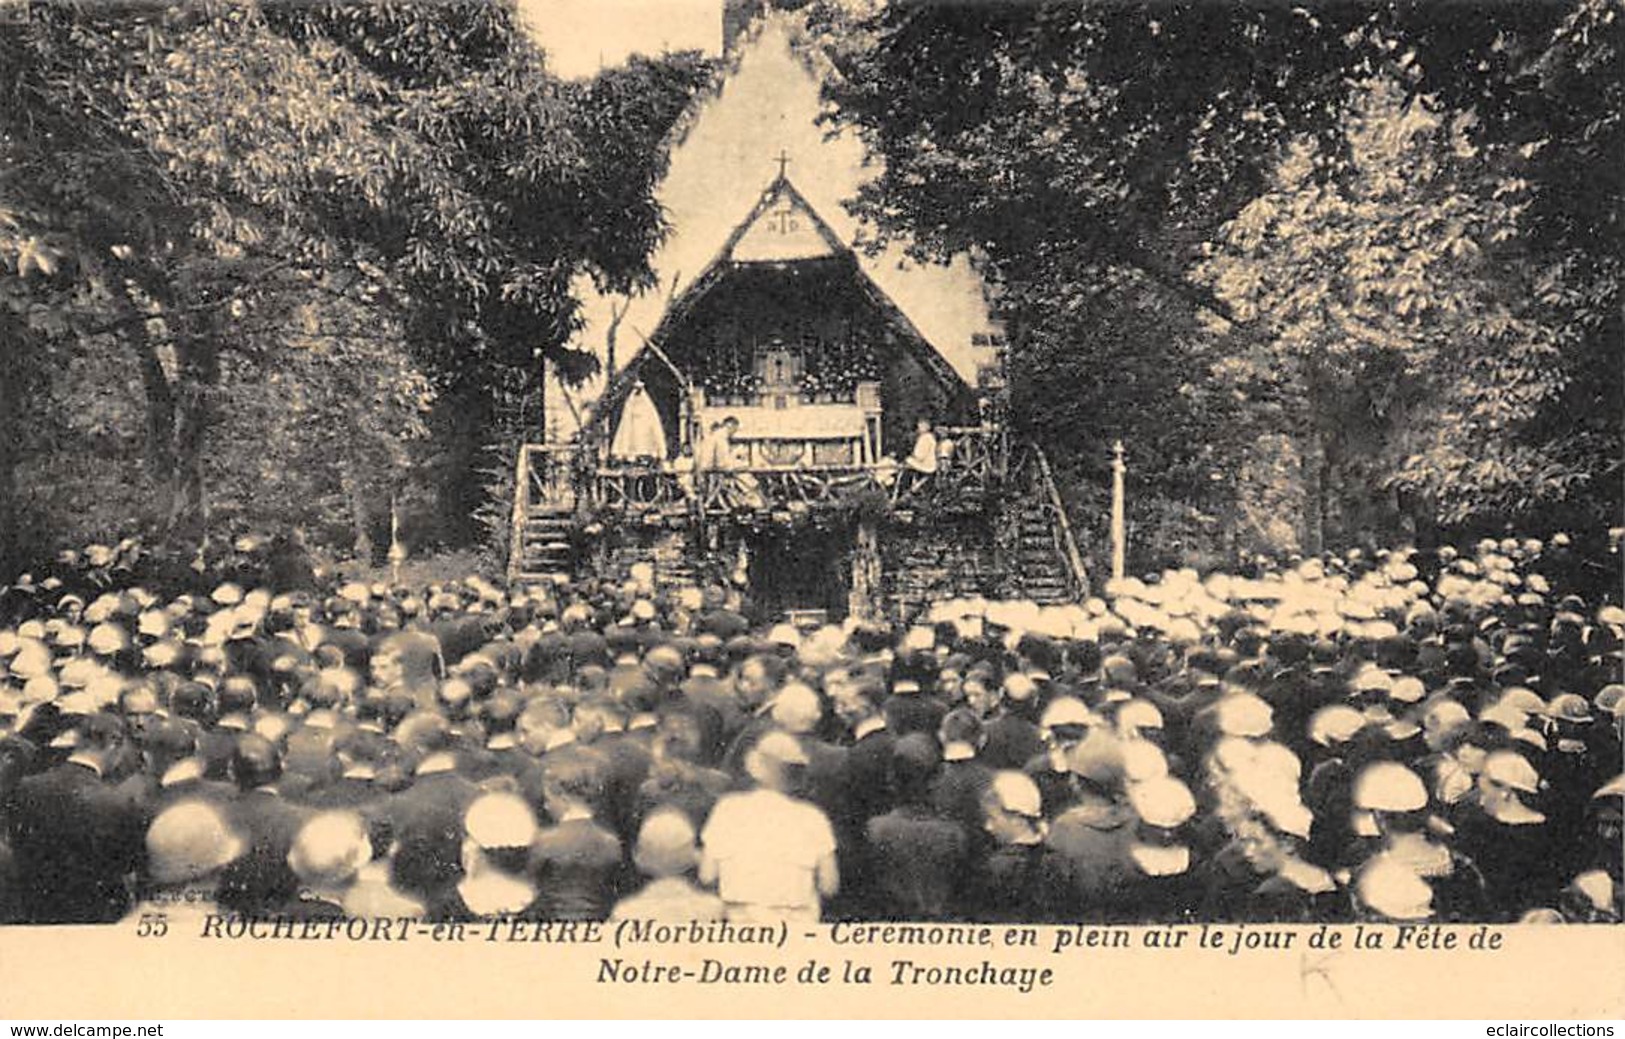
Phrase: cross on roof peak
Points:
(783, 159)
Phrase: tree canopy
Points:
(1330, 271)
(1379, 238)
(372, 212)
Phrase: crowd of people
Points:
(1396, 736)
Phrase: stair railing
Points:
(1064, 539)
(978, 454)
(544, 477)
(521, 509)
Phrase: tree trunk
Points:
(1333, 517)
(1318, 400)
(200, 370)
(351, 480)
(1314, 491)
(160, 425)
(10, 515)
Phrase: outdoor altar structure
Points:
(764, 431)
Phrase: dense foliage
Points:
(280, 264)
(1357, 260)
(1332, 272)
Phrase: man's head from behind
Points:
(775, 761)
(255, 762)
(1013, 809)
(666, 845)
(330, 849)
(570, 785)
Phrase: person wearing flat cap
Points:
(722, 622)
(1579, 757)
(188, 846)
(770, 854)
(1593, 897)
(351, 644)
(173, 768)
(709, 695)
(1509, 841)
(676, 778)
(1092, 837)
(1009, 857)
(1393, 817)
(1384, 793)
(311, 743)
(1604, 829)
(912, 705)
(495, 881)
(1388, 890)
(458, 636)
(1065, 723)
(1159, 885)
(1012, 737)
(799, 711)
(602, 726)
(957, 791)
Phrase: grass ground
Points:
(430, 569)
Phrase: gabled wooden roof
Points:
(620, 383)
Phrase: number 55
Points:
(152, 925)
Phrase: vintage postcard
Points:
(811, 508)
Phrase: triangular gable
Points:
(783, 221)
(782, 226)
(780, 196)
(770, 99)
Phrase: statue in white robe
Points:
(641, 434)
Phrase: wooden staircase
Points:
(544, 548)
(1045, 564)
(544, 541)
(1040, 572)
(540, 544)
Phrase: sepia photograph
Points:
(724, 471)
